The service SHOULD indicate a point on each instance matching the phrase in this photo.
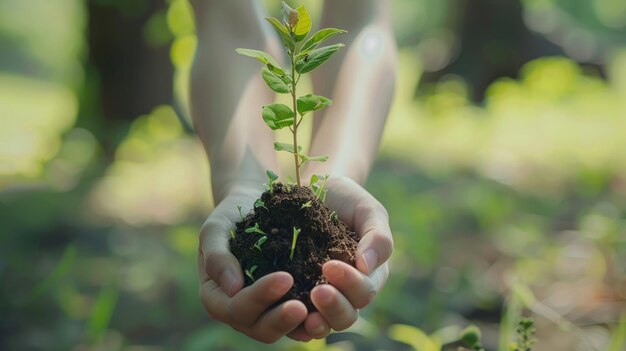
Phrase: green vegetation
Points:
(304, 56)
(255, 229)
(294, 238)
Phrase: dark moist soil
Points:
(322, 238)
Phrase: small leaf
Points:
(313, 181)
(310, 102)
(290, 16)
(303, 25)
(285, 147)
(274, 81)
(322, 158)
(277, 116)
(271, 175)
(263, 57)
(316, 57)
(318, 38)
(283, 33)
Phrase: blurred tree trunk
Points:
(133, 77)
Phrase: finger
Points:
(316, 326)
(214, 300)
(249, 304)
(279, 321)
(354, 285)
(220, 265)
(334, 307)
(300, 334)
(376, 244)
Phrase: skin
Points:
(226, 95)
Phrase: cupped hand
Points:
(350, 288)
(247, 309)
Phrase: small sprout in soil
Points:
(305, 205)
(319, 189)
(272, 177)
(334, 217)
(232, 233)
(260, 243)
(240, 213)
(255, 229)
(250, 272)
(294, 238)
(259, 203)
(525, 335)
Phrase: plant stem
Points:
(295, 118)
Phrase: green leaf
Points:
(321, 158)
(285, 147)
(283, 33)
(310, 102)
(264, 57)
(271, 175)
(318, 38)
(275, 82)
(316, 57)
(277, 116)
(290, 16)
(303, 26)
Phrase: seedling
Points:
(250, 272)
(240, 213)
(304, 56)
(319, 189)
(232, 233)
(255, 229)
(525, 335)
(272, 177)
(259, 203)
(305, 205)
(294, 238)
(334, 217)
(471, 336)
(260, 243)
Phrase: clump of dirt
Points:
(322, 237)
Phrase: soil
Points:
(322, 238)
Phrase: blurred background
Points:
(503, 166)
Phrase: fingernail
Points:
(227, 282)
(370, 257)
(318, 330)
(335, 271)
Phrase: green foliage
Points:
(334, 217)
(255, 229)
(286, 147)
(294, 238)
(318, 184)
(232, 233)
(250, 272)
(259, 203)
(471, 337)
(277, 116)
(240, 213)
(272, 179)
(306, 204)
(259, 243)
(315, 58)
(525, 332)
(310, 102)
(305, 57)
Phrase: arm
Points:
(361, 85)
(226, 94)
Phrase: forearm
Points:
(226, 95)
(361, 86)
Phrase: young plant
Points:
(240, 213)
(319, 188)
(255, 229)
(471, 337)
(232, 233)
(294, 238)
(525, 335)
(306, 204)
(304, 56)
(260, 243)
(272, 177)
(259, 203)
(249, 273)
(334, 217)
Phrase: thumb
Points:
(220, 265)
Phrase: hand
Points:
(247, 310)
(350, 288)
